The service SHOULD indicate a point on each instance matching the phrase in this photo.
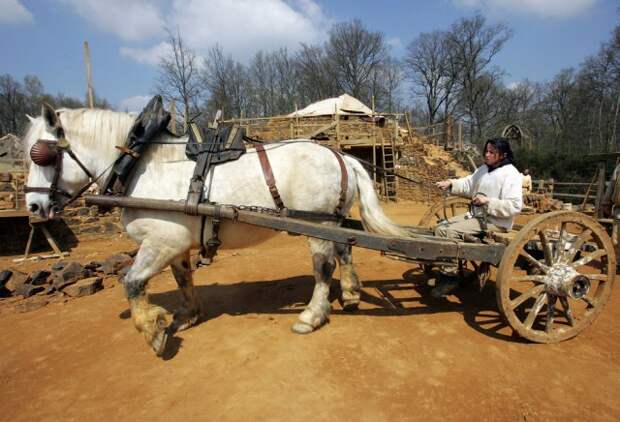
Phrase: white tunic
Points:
(503, 188)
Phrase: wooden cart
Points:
(554, 275)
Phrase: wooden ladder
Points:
(389, 178)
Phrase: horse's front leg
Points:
(317, 311)
(189, 314)
(349, 282)
(149, 319)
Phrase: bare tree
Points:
(178, 77)
(314, 75)
(387, 85)
(354, 55)
(12, 105)
(472, 45)
(274, 82)
(432, 74)
(227, 82)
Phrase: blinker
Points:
(44, 153)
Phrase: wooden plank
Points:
(322, 129)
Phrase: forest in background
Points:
(451, 71)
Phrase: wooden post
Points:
(461, 135)
(297, 131)
(185, 119)
(173, 117)
(374, 143)
(89, 76)
(600, 189)
(337, 120)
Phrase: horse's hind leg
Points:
(190, 313)
(317, 311)
(349, 282)
(149, 319)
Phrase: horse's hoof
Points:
(302, 328)
(159, 343)
(350, 305)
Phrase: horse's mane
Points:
(96, 127)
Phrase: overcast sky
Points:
(126, 37)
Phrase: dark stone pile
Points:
(64, 279)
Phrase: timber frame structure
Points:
(375, 138)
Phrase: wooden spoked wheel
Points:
(556, 276)
(444, 209)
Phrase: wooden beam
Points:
(89, 76)
(323, 129)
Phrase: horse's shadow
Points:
(408, 296)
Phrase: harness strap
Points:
(271, 181)
(344, 183)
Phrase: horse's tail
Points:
(373, 217)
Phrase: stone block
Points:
(17, 279)
(38, 278)
(70, 274)
(27, 290)
(85, 287)
(5, 276)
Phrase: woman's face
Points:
(492, 156)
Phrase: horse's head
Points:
(55, 173)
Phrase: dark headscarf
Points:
(503, 147)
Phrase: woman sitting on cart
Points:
(496, 194)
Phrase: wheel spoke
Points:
(534, 291)
(546, 247)
(591, 303)
(534, 261)
(559, 250)
(540, 302)
(525, 277)
(599, 277)
(569, 255)
(550, 313)
(567, 311)
(586, 259)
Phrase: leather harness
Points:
(275, 194)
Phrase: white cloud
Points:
(150, 55)
(555, 9)
(241, 27)
(12, 11)
(135, 104)
(131, 20)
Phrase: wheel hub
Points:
(563, 280)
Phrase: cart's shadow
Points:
(408, 296)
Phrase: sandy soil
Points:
(402, 356)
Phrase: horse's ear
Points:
(30, 118)
(49, 115)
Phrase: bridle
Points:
(47, 153)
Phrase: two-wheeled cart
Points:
(554, 275)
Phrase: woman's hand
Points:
(480, 200)
(444, 184)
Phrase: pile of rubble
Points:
(427, 164)
(64, 280)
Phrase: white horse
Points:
(308, 178)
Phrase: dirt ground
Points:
(402, 356)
